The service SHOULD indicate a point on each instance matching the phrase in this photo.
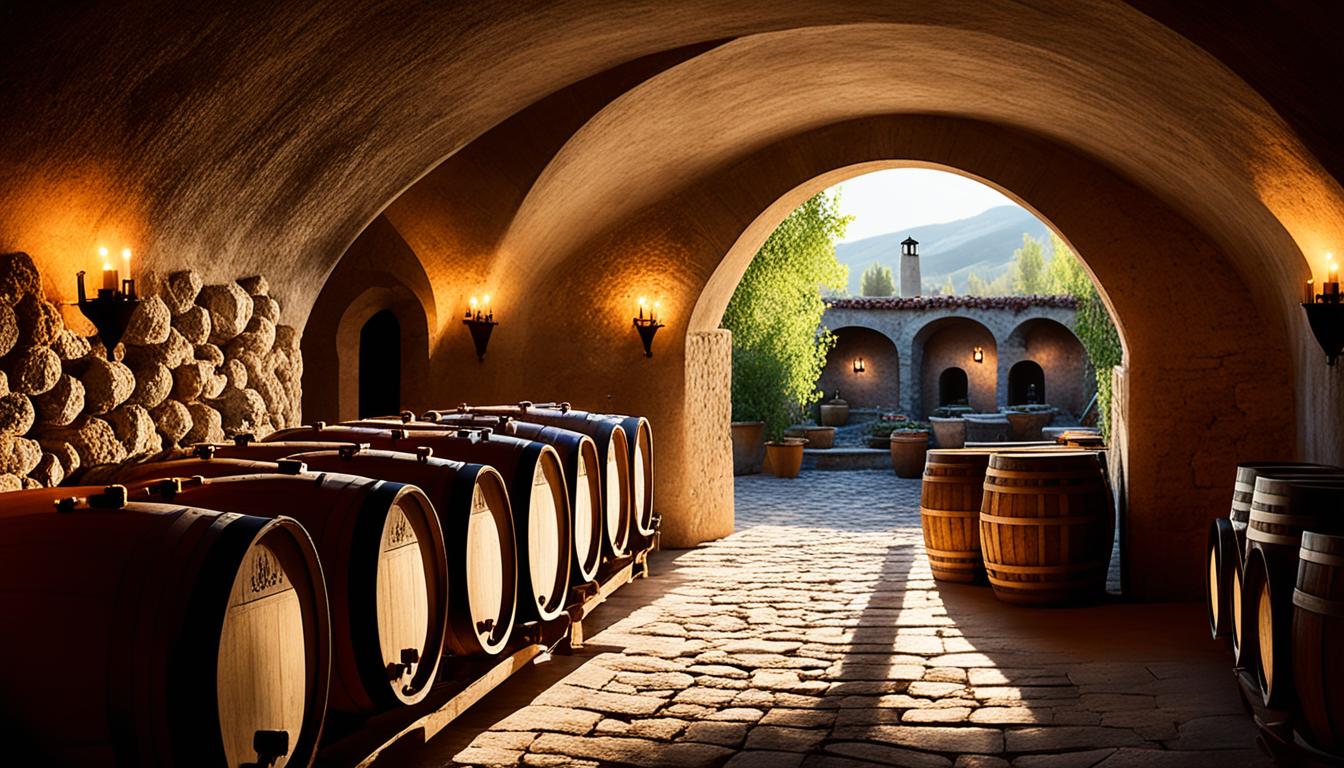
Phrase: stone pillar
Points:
(910, 285)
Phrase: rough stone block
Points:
(214, 386)
(16, 413)
(256, 340)
(34, 370)
(106, 385)
(39, 320)
(230, 309)
(174, 351)
(9, 329)
(242, 410)
(10, 482)
(94, 441)
(48, 472)
(18, 277)
(288, 338)
(267, 308)
(149, 323)
(180, 290)
(189, 380)
(173, 421)
(210, 353)
(63, 451)
(18, 455)
(236, 373)
(206, 425)
(193, 324)
(70, 345)
(62, 404)
(153, 383)
(136, 429)
(255, 285)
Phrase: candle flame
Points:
(474, 302)
(643, 301)
(486, 300)
(126, 253)
(102, 251)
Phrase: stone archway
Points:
(953, 387)
(1065, 378)
(947, 344)
(878, 385)
(1026, 383)
(380, 365)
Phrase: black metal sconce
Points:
(111, 310)
(978, 355)
(480, 320)
(859, 366)
(647, 325)
(1325, 313)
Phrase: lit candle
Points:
(1331, 285)
(109, 274)
(126, 261)
(642, 302)
(653, 313)
(474, 313)
(1311, 292)
(489, 313)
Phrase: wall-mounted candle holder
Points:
(647, 324)
(480, 320)
(978, 354)
(111, 310)
(859, 366)
(1325, 312)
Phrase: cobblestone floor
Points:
(814, 636)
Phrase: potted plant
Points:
(834, 412)
(1026, 421)
(909, 443)
(878, 433)
(948, 433)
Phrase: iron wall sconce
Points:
(859, 367)
(1325, 312)
(111, 309)
(647, 326)
(481, 322)
(978, 355)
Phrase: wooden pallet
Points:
(1275, 733)
(463, 682)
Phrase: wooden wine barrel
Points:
(1224, 565)
(382, 550)
(1282, 508)
(578, 457)
(470, 500)
(949, 513)
(1318, 636)
(635, 437)
(1046, 527)
(537, 496)
(158, 634)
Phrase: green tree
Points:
(1029, 267)
(948, 288)
(774, 314)
(1092, 324)
(976, 285)
(877, 280)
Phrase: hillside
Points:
(983, 243)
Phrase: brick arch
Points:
(880, 384)
(948, 342)
(1069, 383)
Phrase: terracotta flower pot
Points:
(907, 452)
(785, 458)
(748, 447)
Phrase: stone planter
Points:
(986, 428)
(748, 447)
(907, 452)
(834, 413)
(1027, 425)
(785, 458)
(948, 433)
(819, 437)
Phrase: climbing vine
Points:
(1092, 324)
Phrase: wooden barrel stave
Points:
(537, 495)
(949, 507)
(1224, 560)
(167, 654)
(1046, 524)
(1317, 637)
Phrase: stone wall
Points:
(879, 385)
(198, 363)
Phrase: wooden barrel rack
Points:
(464, 681)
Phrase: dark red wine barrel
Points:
(537, 495)
(158, 634)
(383, 554)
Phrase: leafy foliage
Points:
(1092, 324)
(877, 281)
(774, 314)
(1028, 270)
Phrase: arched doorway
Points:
(380, 365)
(1026, 383)
(953, 388)
(873, 384)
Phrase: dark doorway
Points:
(380, 365)
(1026, 384)
(952, 387)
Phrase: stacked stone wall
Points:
(198, 363)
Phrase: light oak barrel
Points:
(1243, 488)
(1318, 636)
(949, 513)
(1046, 526)
(1282, 507)
(579, 458)
(538, 499)
(383, 554)
(158, 634)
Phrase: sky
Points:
(900, 198)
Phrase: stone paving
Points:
(815, 636)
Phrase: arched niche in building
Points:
(947, 343)
(380, 365)
(878, 385)
(1066, 380)
(953, 387)
(1026, 383)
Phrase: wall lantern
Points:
(978, 355)
(859, 367)
(648, 325)
(480, 320)
(1325, 313)
(110, 311)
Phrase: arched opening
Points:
(1026, 383)
(1068, 381)
(952, 387)
(874, 384)
(380, 365)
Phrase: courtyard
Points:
(815, 636)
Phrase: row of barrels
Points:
(207, 606)
(1036, 521)
(1275, 587)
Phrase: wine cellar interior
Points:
(360, 362)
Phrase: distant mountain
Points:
(983, 244)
